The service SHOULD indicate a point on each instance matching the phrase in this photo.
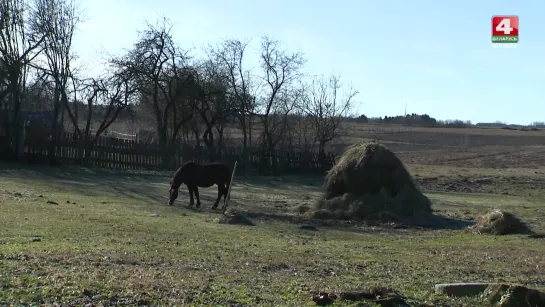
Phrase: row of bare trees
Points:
(37, 72)
(275, 105)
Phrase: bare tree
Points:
(230, 54)
(300, 133)
(164, 81)
(326, 107)
(195, 128)
(213, 105)
(58, 19)
(281, 71)
(19, 45)
(107, 97)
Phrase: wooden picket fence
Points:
(115, 153)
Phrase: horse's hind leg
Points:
(220, 192)
(191, 201)
(225, 192)
(196, 189)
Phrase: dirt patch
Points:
(506, 185)
(461, 185)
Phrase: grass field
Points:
(83, 236)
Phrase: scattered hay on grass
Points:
(378, 295)
(370, 182)
(234, 217)
(18, 196)
(499, 222)
(513, 295)
(302, 209)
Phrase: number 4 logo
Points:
(504, 26)
(505, 29)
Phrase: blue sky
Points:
(436, 56)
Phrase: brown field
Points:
(110, 238)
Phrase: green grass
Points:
(102, 243)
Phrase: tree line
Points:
(423, 120)
(274, 106)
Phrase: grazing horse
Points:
(196, 175)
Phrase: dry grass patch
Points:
(106, 247)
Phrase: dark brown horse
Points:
(195, 175)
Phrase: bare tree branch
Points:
(281, 71)
(18, 46)
(327, 107)
(163, 78)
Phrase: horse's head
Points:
(175, 183)
(173, 194)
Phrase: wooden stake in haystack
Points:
(229, 190)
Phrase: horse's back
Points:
(206, 174)
(217, 168)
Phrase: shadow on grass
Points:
(147, 187)
(90, 174)
(78, 173)
(279, 182)
(432, 222)
(438, 222)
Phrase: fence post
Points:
(229, 190)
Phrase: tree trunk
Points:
(208, 138)
(54, 128)
(220, 143)
(322, 156)
(17, 135)
(81, 141)
(274, 162)
(245, 154)
(249, 149)
(163, 147)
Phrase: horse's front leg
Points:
(196, 189)
(220, 192)
(191, 201)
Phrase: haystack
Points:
(498, 222)
(370, 182)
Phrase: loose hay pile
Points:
(505, 295)
(498, 222)
(370, 182)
